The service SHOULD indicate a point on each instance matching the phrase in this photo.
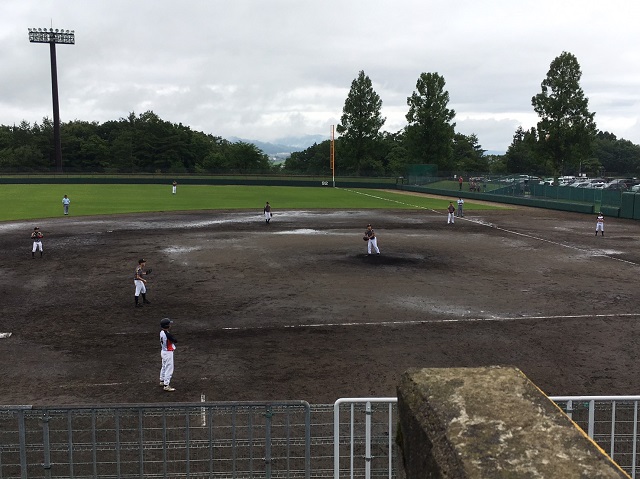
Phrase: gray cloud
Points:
(263, 70)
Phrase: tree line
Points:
(564, 141)
(138, 143)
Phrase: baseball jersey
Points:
(66, 201)
(36, 236)
(451, 209)
(138, 274)
(167, 341)
(369, 233)
(600, 219)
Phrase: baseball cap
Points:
(165, 322)
(142, 260)
(36, 228)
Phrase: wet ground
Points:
(297, 310)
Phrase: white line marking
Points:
(482, 223)
(436, 321)
(5, 335)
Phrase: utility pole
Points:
(51, 36)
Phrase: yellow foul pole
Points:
(333, 158)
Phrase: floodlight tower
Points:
(51, 36)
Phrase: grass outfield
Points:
(45, 201)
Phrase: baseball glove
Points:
(149, 271)
(366, 238)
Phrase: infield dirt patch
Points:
(297, 310)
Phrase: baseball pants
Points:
(373, 243)
(166, 371)
(451, 218)
(37, 245)
(140, 287)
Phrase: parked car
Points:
(616, 186)
(580, 184)
(635, 189)
(596, 184)
(547, 181)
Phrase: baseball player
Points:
(600, 224)
(36, 237)
(174, 185)
(267, 212)
(460, 206)
(451, 210)
(140, 282)
(167, 347)
(372, 240)
(65, 204)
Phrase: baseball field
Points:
(296, 309)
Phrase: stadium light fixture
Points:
(51, 36)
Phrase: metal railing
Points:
(611, 421)
(354, 438)
(375, 433)
(261, 440)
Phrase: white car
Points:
(580, 184)
(635, 189)
(547, 181)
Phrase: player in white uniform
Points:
(460, 206)
(36, 236)
(267, 212)
(174, 186)
(600, 224)
(451, 210)
(140, 282)
(373, 241)
(65, 204)
(167, 347)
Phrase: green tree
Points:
(314, 160)
(566, 128)
(359, 127)
(615, 156)
(468, 155)
(521, 155)
(247, 158)
(430, 131)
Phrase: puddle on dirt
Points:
(303, 231)
(180, 249)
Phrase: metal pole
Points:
(51, 36)
(56, 107)
(367, 434)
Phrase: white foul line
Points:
(577, 248)
(434, 321)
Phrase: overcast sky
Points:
(266, 69)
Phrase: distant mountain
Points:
(281, 148)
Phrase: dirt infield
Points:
(297, 310)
